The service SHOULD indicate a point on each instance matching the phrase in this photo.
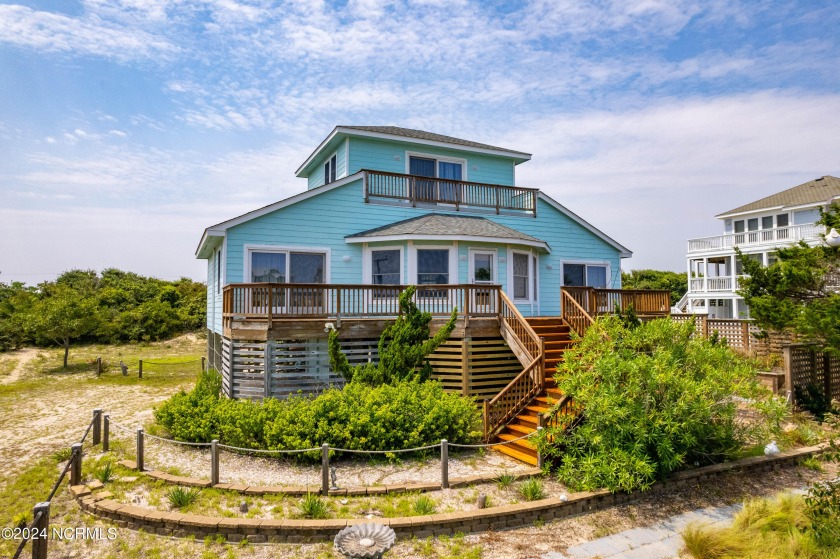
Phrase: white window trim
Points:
(453, 261)
(471, 266)
(586, 263)
(248, 249)
(367, 262)
(531, 272)
(437, 158)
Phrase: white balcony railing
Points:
(714, 284)
(777, 236)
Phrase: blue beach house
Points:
(387, 207)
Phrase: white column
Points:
(706, 274)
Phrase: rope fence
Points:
(146, 366)
(216, 447)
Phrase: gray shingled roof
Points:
(422, 135)
(815, 191)
(449, 226)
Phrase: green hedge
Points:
(358, 417)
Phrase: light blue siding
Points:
(317, 177)
(390, 156)
(323, 222)
(214, 296)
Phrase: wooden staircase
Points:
(556, 333)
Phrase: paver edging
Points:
(495, 518)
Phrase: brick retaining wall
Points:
(494, 518)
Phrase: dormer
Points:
(390, 149)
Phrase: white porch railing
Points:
(702, 285)
(779, 235)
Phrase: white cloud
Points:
(25, 27)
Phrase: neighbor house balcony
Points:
(459, 195)
(714, 284)
(773, 237)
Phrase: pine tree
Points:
(403, 347)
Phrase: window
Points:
(739, 226)
(782, 220)
(520, 275)
(329, 169)
(535, 261)
(440, 190)
(385, 267)
(767, 222)
(585, 275)
(288, 267)
(752, 224)
(432, 266)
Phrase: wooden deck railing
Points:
(574, 313)
(426, 190)
(279, 301)
(529, 348)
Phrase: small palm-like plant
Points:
(424, 505)
(532, 489)
(181, 497)
(312, 506)
(505, 480)
(104, 473)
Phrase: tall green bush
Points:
(655, 400)
(403, 347)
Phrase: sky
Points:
(128, 126)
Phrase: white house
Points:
(758, 229)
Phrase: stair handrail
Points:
(512, 323)
(515, 396)
(574, 314)
(565, 405)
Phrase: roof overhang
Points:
(469, 238)
(623, 251)
(340, 132)
(220, 228)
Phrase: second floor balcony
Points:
(456, 194)
(714, 284)
(771, 237)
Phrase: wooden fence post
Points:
(140, 370)
(214, 462)
(98, 366)
(826, 363)
(106, 433)
(325, 469)
(540, 424)
(444, 464)
(786, 352)
(704, 325)
(39, 528)
(745, 334)
(97, 426)
(140, 450)
(76, 464)
(203, 364)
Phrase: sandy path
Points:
(57, 416)
(23, 357)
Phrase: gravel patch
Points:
(350, 472)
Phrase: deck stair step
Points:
(516, 452)
(557, 335)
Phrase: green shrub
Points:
(505, 480)
(424, 505)
(655, 399)
(358, 417)
(181, 497)
(104, 473)
(312, 506)
(532, 489)
(403, 347)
